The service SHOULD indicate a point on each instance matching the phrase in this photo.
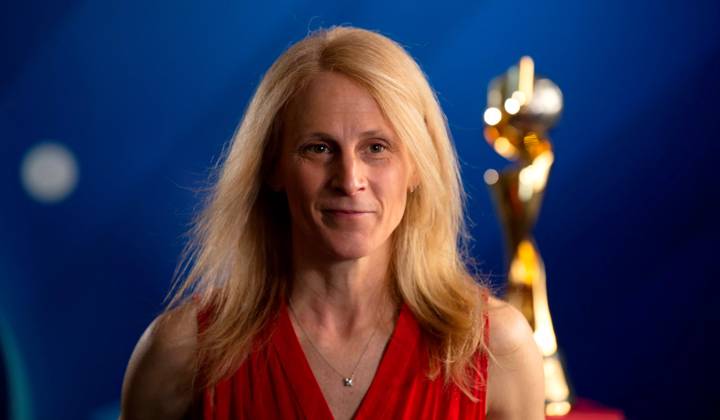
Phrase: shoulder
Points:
(515, 364)
(159, 375)
(509, 330)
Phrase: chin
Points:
(349, 248)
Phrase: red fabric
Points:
(276, 382)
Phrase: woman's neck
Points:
(341, 298)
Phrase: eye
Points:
(317, 148)
(377, 148)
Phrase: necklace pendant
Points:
(347, 381)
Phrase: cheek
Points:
(401, 202)
(394, 190)
(302, 185)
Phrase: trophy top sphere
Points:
(521, 104)
(539, 112)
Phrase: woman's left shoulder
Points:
(515, 363)
(509, 330)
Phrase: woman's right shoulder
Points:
(159, 376)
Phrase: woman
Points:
(325, 279)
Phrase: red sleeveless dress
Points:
(276, 382)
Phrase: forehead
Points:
(334, 102)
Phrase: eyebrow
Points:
(364, 134)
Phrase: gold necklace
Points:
(346, 380)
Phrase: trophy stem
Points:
(527, 291)
(527, 282)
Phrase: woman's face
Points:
(345, 172)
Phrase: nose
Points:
(349, 174)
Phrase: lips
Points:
(346, 211)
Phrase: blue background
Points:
(146, 93)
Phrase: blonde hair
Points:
(232, 264)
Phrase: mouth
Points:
(346, 212)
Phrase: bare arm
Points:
(515, 376)
(158, 379)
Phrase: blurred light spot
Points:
(531, 139)
(533, 178)
(491, 176)
(525, 191)
(492, 116)
(512, 106)
(491, 133)
(557, 408)
(525, 266)
(49, 172)
(526, 78)
(519, 96)
(557, 389)
(548, 98)
(503, 147)
(528, 175)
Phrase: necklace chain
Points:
(347, 380)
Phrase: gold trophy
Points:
(521, 108)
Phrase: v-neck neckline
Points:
(305, 384)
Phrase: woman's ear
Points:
(414, 183)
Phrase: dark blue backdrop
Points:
(146, 93)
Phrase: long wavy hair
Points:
(233, 264)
